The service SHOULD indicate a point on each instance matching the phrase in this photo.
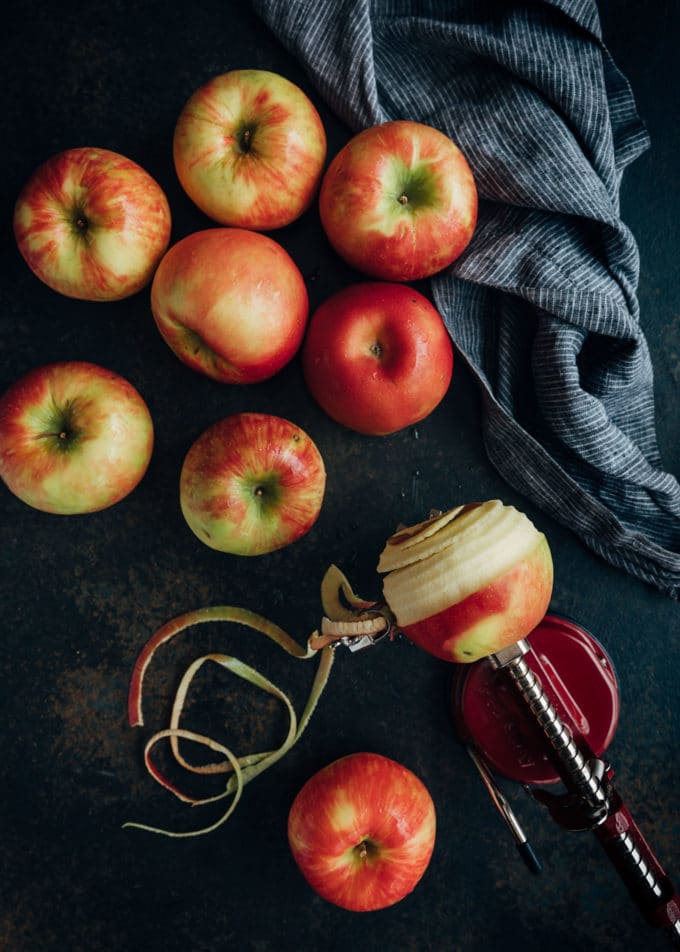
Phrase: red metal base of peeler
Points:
(578, 677)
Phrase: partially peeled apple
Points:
(468, 582)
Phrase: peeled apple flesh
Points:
(468, 582)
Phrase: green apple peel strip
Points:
(245, 768)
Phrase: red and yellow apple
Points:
(398, 201)
(92, 224)
(74, 438)
(231, 304)
(249, 149)
(362, 831)
(252, 483)
(377, 357)
(469, 582)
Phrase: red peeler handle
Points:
(638, 867)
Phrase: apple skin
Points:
(74, 438)
(92, 224)
(362, 831)
(249, 149)
(399, 201)
(377, 357)
(252, 483)
(231, 304)
(497, 615)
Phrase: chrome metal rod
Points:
(626, 849)
(578, 769)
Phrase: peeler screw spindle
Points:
(571, 758)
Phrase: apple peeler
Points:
(543, 711)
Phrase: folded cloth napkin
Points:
(543, 302)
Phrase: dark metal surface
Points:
(81, 594)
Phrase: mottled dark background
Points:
(81, 594)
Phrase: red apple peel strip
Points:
(225, 613)
(155, 773)
(244, 768)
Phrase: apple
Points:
(362, 831)
(252, 483)
(469, 582)
(74, 437)
(92, 224)
(249, 149)
(231, 303)
(398, 201)
(377, 357)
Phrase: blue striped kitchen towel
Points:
(543, 302)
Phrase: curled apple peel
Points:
(341, 605)
(242, 769)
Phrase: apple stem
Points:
(403, 199)
(365, 850)
(245, 140)
(81, 222)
